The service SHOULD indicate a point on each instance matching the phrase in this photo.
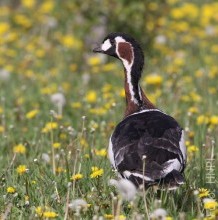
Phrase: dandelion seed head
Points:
(58, 99)
(46, 158)
(77, 204)
(126, 188)
(159, 214)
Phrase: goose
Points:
(148, 146)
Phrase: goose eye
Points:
(112, 41)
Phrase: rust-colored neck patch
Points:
(125, 51)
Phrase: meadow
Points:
(59, 104)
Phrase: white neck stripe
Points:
(128, 67)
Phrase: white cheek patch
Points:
(106, 45)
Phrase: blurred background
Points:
(59, 101)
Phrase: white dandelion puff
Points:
(77, 204)
(59, 100)
(126, 188)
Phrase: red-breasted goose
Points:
(146, 133)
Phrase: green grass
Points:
(42, 62)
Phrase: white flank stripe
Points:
(127, 174)
(182, 145)
(174, 164)
(111, 153)
(106, 45)
(128, 68)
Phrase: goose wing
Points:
(151, 134)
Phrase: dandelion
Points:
(78, 204)
(39, 211)
(32, 114)
(108, 216)
(46, 157)
(94, 60)
(126, 188)
(203, 192)
(19, 149)
(193, 110)
(76, 105)
(28, 3)
(96, 172)
(159, 214)
(49, 127)
(11, 190)
(153, 79)
(56, 145)
(2, 129)
(192, 149)
(202, 119)
(102, 152)
(49, 214)
(214, 120)
(59, 100)
(77, 176)
(91, 96)
(47, 6)
(4, 74)
(21, 169)
(210, 203)
(60, 170)
(4, 28)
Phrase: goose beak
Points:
(98, 49)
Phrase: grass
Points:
(38, 61)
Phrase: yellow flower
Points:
(32, 114)
(47, 6)
(83, 142)
(122, 217)
(21, 169)
(63, 136)
(76, 104)
(109, 67)
(203, 192)
(56, 145)
(102, 152)
(4, 28)
(202, 119)
(91, 96)
(193, 109)
(214, 120)
(22, 20)
(98, 111)
(108, 216)
(60, 170)
(168, 218)
(49, 214)
(28, 3)
(39, 211)
(11, 190)
(77, 176)
(192, 149)
(210, 203)
(2, 129)
(20, 148)
(70, 41)
(153, 79)
(94, 60)
(96, 172)
(50, 126)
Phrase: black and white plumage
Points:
(146, 136)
